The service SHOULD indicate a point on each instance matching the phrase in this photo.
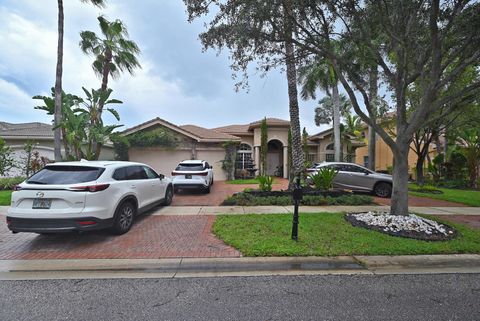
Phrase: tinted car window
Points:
(120, 174)
(62, 174)
(189, 167)
(136, 172)
(150, 173)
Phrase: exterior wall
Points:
(45, 149)
(322, 148)
(280, 134)
(383, 155)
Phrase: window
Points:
(329, 157)
(185, 167)
(311, 158)
(244, 157)
(329, 147)
(365, 161)
(61, 174)
(120, 174)
(136, 172)
(150, 173)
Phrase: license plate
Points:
(41, 203)
(188, 176)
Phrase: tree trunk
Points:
(400, 180)
(419, 167)
(57, 118)
(297, 151)
(372, 137)
(373, 95)
(336, 124)
(66, 148)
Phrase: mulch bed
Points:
(306, 191)
(435, 236)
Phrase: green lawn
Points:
(328, 235)
(5, 198)
(248, 181)
(467, 197)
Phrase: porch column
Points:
(257, 159)
(285, 162)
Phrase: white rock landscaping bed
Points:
(411, 225)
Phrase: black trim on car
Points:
(56, 225)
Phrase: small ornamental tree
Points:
(7, 162)
(263, 147)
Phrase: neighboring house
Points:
(322, 147)
(384, 155)
(196, 142)
(41, 135)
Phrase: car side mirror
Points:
(161, 176)
(211, 167)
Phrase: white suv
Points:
(193, 174)
(86, 195)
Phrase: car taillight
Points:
(86, 223)
(90, 188)
(202, 174)
(17, 188)
(173, 174)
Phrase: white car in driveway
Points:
(86, 195)
(193, 174)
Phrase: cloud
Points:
(178, 82)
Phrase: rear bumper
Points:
(190, 185)
(56, 225)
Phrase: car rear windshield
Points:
(52, 175)
(189, 167)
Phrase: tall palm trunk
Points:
(57, 118)
(336, 124)
(297, 151)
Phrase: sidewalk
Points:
(235, 210)
(191, 267)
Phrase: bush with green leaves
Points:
(323, 179)
(8, 183)
(265, 183)
(245, 199)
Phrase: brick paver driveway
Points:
(218, 193)
(151, 237)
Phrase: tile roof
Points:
(233, 129)
(33, 130)
(270, 122)
(209, 134)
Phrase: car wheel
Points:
(168, 196)
(124, 217)
(383, 190)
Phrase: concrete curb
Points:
(246, 266)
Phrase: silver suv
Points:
(358, 178)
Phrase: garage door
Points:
(162, 161)
(214, 158)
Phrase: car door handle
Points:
(133, 186)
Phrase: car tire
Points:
(124, 217)
(383, 190)
(168, 197)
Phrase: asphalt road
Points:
(359, 297)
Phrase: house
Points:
(40, 135)
(194, 142)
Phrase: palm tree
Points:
(68, 101)
(114, 53)
(58, 77)
(352, 129)
(297, 150)
(321, 75)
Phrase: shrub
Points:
(8, 183)
(323, 179)
(265, 183)
(244, 199)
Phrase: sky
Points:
(178, 82)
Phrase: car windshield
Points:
(189, 167)
(61, 174)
